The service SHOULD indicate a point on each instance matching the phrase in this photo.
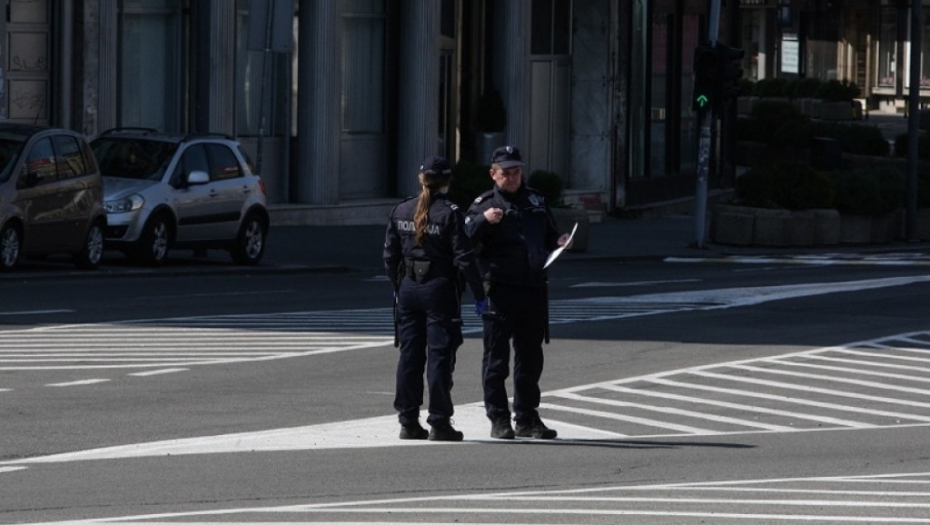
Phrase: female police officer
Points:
(426, 255)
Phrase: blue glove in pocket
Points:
(481, 307)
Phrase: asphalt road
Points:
(684, 392)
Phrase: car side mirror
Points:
(197, 177)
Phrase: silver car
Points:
(50, 196)
(164, 191)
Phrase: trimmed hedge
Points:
(791, 186)
(797, 186)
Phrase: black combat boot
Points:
(534, 428)
(413, 431)
(443, 431)
(500, 428)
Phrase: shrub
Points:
(745, 87)
(773, 114)
(857, 139)
(838, 91)
(804, 88)
(891, 187)
(857, 192)
(923, 146)
(549, 184)
(792, 186)
(468, 181)
(771, 87)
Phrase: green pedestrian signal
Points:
(705, 69)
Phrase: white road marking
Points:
(37, 312)
(826, 260)
(159, 372)
(361, 433)
(210, 340)
(82, 382)
(598, 410)
(635, 283)
(701, 502)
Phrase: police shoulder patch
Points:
(483, 196)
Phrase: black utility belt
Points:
(421, 271)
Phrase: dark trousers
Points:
(519, 314)
(429, 331)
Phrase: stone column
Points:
(318, 102)
(419, 90)
(222, 65)
(515, 70)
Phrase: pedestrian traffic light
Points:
(729, 62)
(706, 71)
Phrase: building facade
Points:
(338, 100)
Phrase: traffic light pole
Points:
(705, 118)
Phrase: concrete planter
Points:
(923, 224)
(827, 227)
(747, 226)
(886, 228)
(856, 229)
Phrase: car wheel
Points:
(155, 241)
(11, 243)
(92, 252)
(250, 242)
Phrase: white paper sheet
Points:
(558, 251)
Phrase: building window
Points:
(363, 66)
(551, 27)
(260, 76)
(925, 50)
(887, 43)
(150, 64)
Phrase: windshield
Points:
(131, 158)
(9, 152)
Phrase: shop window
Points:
(260, 99)
(363, 67)
(150, 64)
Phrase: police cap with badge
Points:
(507, 157)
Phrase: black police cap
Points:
(436, 166)
(507, 157)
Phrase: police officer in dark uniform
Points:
(513, 232)
(428, 256)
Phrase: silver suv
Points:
(164, 191)
(50, 196)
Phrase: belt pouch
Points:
(420, 270)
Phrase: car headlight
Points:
(131, 203)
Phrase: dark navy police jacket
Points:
(445, 245)
(514, 250)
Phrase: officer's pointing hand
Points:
(565, 239)
(493, 215)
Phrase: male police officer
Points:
(513, 232)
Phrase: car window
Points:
(223, 162)
(40, 165)
(70, 160)
(248, 160)
(131, 158)
(193, 159)
(9, 154)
